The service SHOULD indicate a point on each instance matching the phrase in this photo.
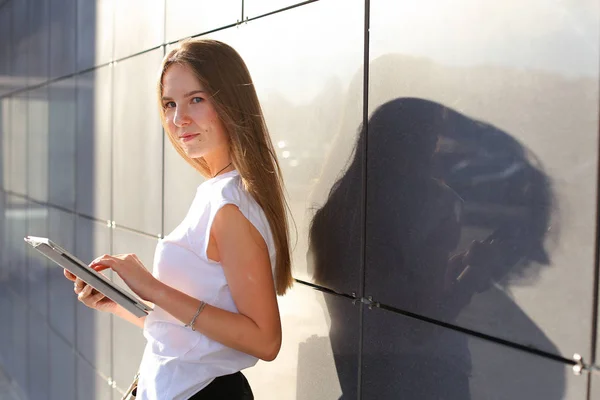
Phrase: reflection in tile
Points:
(4, 274)
(514, 216)
(37, 265)
(18, 145)
(256, 8)
(39, 16)
(62, 297)
(39, 357)
(418, 360)
(18, 368)
(94, 333)
(414, 221)
(137, 145)
(19, 44)
(90, 385)
(6, 328)
(94, 115)
(4, 245)
(62, 369)
(94, 32)
(93, 327)
(63, 31)
(308, 107)
(5, 46)
(190, 17)
(127, 350)
(16, 223)
(61, 143)
(5, 125)
(37, 145)
(145, 31)
(319, 353)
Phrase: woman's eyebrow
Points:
(188, 94)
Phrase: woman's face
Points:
(190, 115)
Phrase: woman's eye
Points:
(197, 99)
(170, 104)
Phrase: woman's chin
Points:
(191, 153)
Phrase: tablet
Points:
(93, 278)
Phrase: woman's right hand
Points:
(90, 296)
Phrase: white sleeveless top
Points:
(177, 361)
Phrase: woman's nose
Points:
(181, 119)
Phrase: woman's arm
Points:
(242, 251)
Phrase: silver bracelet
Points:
(193, 321)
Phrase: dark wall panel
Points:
(16, 221)
(63, 39)
(39, 41)
(95, 35)
(19, 44)
(5, 47)
(93, 331)
(417, 360)
(481, 184)
(62, 299)
(93, 143)
(37, 265)
(38, 354)
(61, 143)
(63, 369)
(18, 341)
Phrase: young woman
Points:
(216, 276)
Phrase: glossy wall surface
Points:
(441, 164)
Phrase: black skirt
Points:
(227, 387)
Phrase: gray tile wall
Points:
(544, 152)
(444, 193)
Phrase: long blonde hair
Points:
(226, 79)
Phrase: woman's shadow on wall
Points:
(455, 208)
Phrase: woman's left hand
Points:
(132, 271)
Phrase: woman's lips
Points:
(188, 137)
